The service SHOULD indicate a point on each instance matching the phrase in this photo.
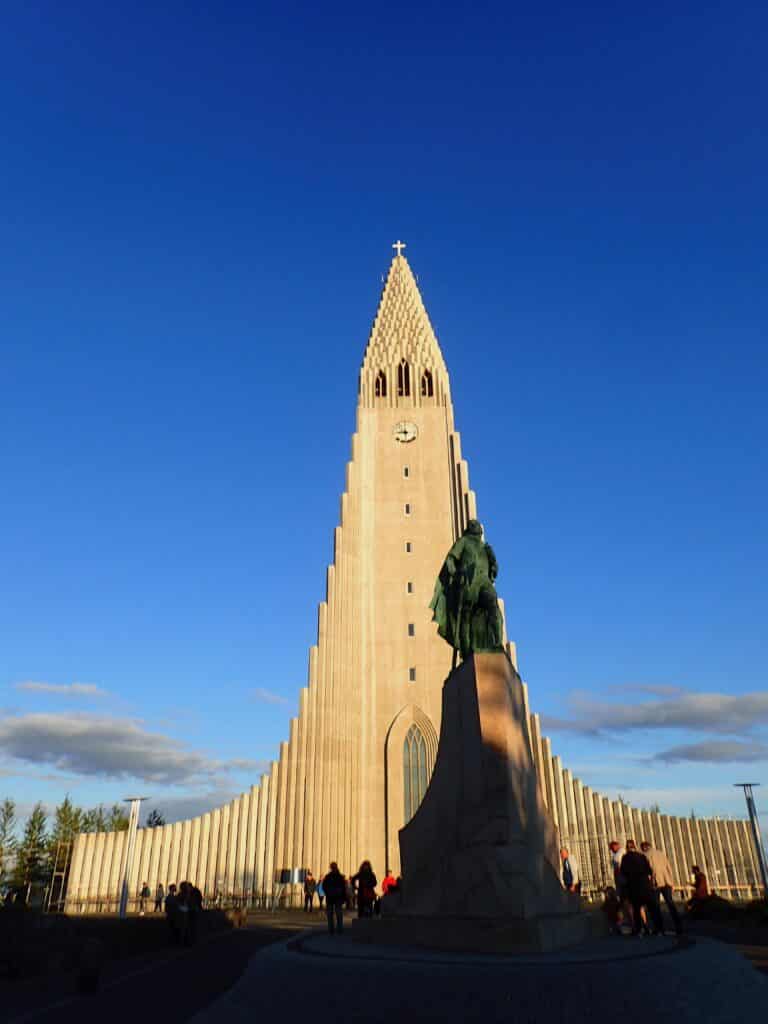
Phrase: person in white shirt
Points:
(663, 881)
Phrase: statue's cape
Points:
(469, 566)
(450, 589)
(439, 606)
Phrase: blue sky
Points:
(198, 205)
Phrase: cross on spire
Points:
(398, 247)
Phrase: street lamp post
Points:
(130, 846)
(756, 834)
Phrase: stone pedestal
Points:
(480, 863)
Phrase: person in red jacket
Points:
(388, 882)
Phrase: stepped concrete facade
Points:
(359, 755)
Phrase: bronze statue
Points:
(464, 604)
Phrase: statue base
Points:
(480, 863)
(542, 934)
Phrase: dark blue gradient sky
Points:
(197, 205)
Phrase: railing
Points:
(281, 898)
(596, 873)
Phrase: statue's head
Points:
(474, 528)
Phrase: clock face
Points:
(405, 431)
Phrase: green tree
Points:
(67, 822)
(155, 819)
(31, 858)
(8, 841)
(117, 819)
(95, 820)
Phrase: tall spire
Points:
(402, 334)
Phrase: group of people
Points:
(338, 892)
(183, 906)
(642, 878)
(145, 896)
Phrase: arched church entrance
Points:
(409, 757)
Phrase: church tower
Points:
(370, 717)
(361, 750)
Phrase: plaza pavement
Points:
(322, 979)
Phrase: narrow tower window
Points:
(406, 471)
(412, 675)
(411, 629)
(414, 771)
(408, 547)
(427, 390)
(403, 379)
(380, 386)
(409, 587)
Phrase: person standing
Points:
(159, 897)
(183, 913)
(637, 872)
(171, 912)
(310, 885)
(619, 881)
(571, 879)
(365, 882)
(144, 894)
(388, 882)
(335, 891)
(700, 887)
(617, 852)
(663, 880)
(320, 894)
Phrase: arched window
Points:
(403, 379)
(414, 771)
(380, 386)
(427, 390)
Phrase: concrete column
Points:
(222, 879)
(100, 840)
(269, 860)
(193, 865)
(204, 846)
(261, 882)
(143, 850)
(235, 886)
(249, 866)
(75, 874)
(102, 884)
(154, 859)
(114, 879)
(562, 804)
(549, 781)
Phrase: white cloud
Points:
(267, 697)
(63, 689)
(108, 747)
(179, 808)
(245, 764)
(654, 689)
(709, 712)
(715, 752)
